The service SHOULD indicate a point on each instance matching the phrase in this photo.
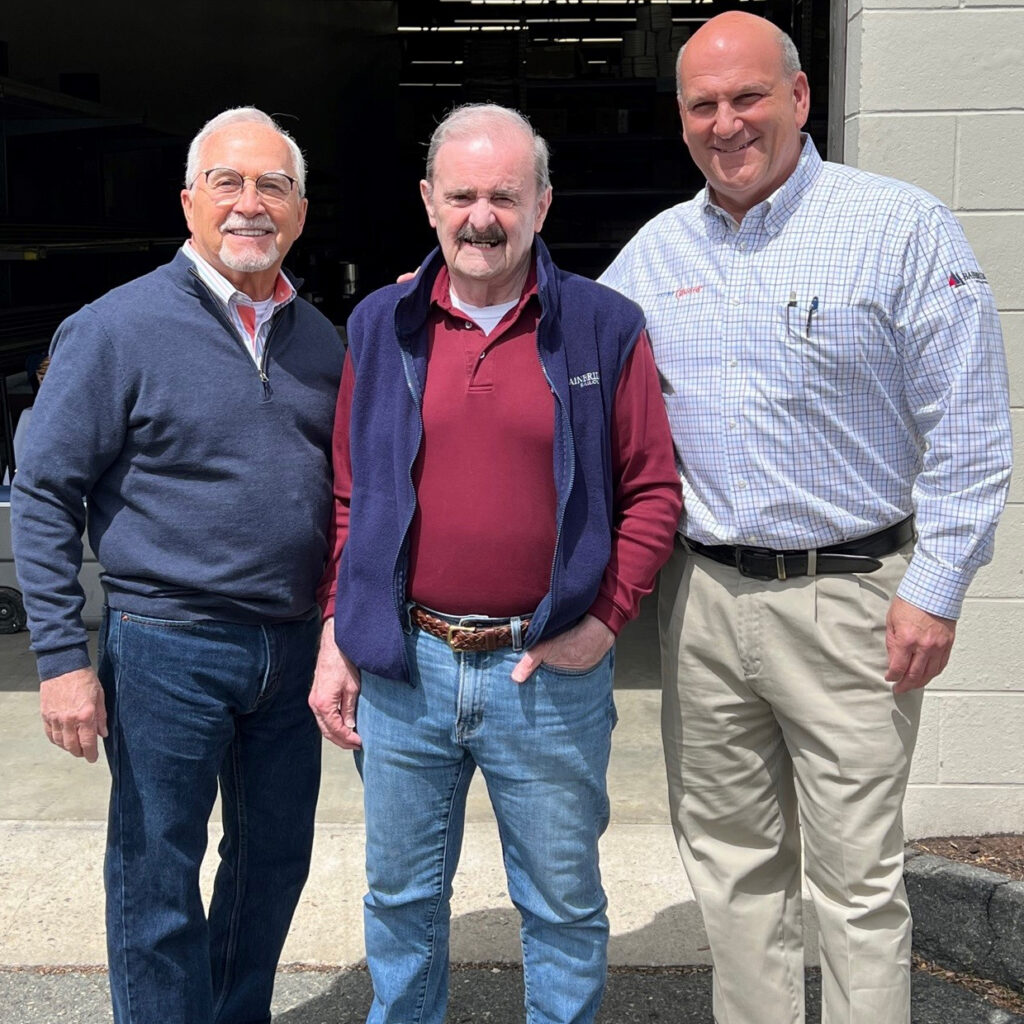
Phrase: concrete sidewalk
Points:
(52, 814)
(53, 809)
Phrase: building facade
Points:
(934, 94)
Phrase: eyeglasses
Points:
(226, 184)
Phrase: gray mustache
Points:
(236, 221)
(468, 235)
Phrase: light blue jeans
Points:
(543, 749)
(191, 705)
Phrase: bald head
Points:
(743, 101)
(733, 28)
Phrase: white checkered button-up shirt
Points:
(831, 364)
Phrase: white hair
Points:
(243, 115)
(482, 119)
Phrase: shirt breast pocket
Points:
(833, 348)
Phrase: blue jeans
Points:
(543, 749)
(190, 704)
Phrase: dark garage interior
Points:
(98, 103)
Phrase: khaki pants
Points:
(776, 719)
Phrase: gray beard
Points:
(249, 264)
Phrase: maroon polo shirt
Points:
(483, 534)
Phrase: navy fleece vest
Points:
(585, 334)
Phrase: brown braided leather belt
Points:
(466, 636)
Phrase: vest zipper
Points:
(399, 609)
(563, 500)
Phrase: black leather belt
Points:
(860, 555)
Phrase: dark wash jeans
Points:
(191, 704)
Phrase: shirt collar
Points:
(440, 297)
(776, 209)
(224, 290)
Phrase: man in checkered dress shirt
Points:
(836, 385)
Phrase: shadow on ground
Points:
(479, 995)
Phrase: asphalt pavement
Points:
(479, 995)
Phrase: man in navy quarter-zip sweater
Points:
(191, 409)
(505, 492)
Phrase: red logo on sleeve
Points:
(956, 280)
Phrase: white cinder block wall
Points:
(935, 96)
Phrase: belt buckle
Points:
(767, 553)
(450, 639)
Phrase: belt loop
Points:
(406, 622)
(516, 625)
(812, 562)
(780, 566)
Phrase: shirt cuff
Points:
(604, 610)
(68, 659)
(936, 589)
(326, 603)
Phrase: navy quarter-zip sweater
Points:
(584, 336)
(208, 488)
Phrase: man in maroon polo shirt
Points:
(505, 492)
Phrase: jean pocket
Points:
(564, 670)
(151, 620)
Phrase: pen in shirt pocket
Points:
(811, 310)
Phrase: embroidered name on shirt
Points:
(586, 380)
(680, 292)
(955, 280)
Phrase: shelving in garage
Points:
(596, 78)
